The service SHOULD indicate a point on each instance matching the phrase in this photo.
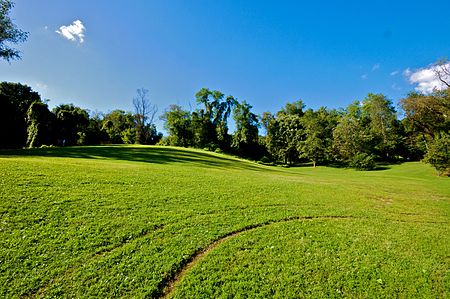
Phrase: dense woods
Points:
(361, 135)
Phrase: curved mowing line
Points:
(167, 286)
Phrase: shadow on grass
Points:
(148, 154)
(341, 165)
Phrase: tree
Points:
(9, 33)
(210, 125)
(438, 154)
(318, 129)
(145, 113)
(178, 123)
(15, 100)
(119, 126)
(245, 138)
(294, 108)
(427, 115)
(349, 136)
(94, 131)
(284, 132)
(72, 123)
(442, 71)
(383, 125)
(223, 111)
(40, 125)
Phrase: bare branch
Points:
(145, 111)
(442, 71)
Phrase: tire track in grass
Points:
(167, 286)
(40, 291)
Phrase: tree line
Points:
(26, 121)
(365, 132)
(358, 136)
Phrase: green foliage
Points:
(284, 134)
(128, 135)
(383, 125)
(178, 123)
(349, 138)
(318, 129)
(245, 138)
(363, 161)
(427, 115)
(72, 123)
(295, 108)
(9, 33)
(40, 122)
(15, 100)
(115, 123)
(438, 154)
(117, 221)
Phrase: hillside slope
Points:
(141, 221)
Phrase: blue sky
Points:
(328, 53)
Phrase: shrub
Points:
(363, 161)
(438, 154)
(265, 159)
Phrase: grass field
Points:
(139, 221)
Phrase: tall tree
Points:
(9, 33)
(383, 124)
(119, 126)
(72, 123)
(427, 115)
(94, 132)
(438, 154)
(178, 123)
(211, 123)
(350, 136)
(318, 128)
(145, 113)
(245, 138)
(284, 132)
(40, 125)
(15, 100)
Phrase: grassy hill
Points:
(139, 221)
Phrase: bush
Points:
(265, 159)
(363, 161)
(438, 154)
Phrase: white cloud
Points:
(394, 73)
(364, 76)
(426, 78)
(73, 32)
(375, 67)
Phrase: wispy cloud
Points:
(395, 87)
(426, 78)
(364, 76)
(395, 73)
(73, 32)
(375, 67)
(41, 85)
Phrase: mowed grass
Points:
(116, 221)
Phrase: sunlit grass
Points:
(119, 220)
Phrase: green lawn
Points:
(123, 220)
